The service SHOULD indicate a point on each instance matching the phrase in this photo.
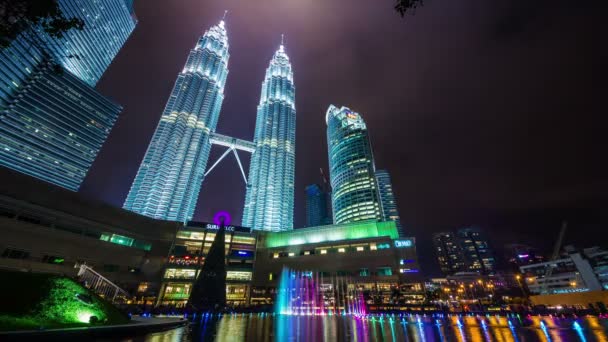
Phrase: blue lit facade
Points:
(169, 179)
(88, 53)
(270, 190)
(351, 167)
(318, 206)
(54, 123)
(387, 200)
(55, 127)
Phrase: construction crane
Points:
(556, 248)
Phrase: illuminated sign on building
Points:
(404, 243)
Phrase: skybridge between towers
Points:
(233, 144)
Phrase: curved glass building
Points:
(170, 176)
(270, 189)
(351, 167)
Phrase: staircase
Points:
(101, 285)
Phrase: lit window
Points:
(324, 251)
(360, 248)
(275, 255)
(291, 254)
(373, 247)
(341, 250)
(306, 252)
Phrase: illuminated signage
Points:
(403, 243)
(217, 227)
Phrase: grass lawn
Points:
(34, 301)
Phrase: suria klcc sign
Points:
(407, 243)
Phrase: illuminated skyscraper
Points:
(52, 122)
(351, 167)
(270, 189)
(170, 176)
(387, 200)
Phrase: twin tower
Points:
(170, 176)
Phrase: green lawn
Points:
(34, 301)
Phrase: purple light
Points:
(242, 253)
(523, 256)
(217, 218)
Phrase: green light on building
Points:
(351, 231)
(125, 241)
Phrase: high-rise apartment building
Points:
(448, 252)
(351, 167)
(318, 206)
(270, 189)
(170, 176)
(52, 122)
(478, 256)
(387, 200)
(467, 250)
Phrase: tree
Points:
(403, 6)
(18, 16)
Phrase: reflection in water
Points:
(423, 328)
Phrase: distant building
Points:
(318, 206)
(467, 250)
(387, 199)
(518, 255)
(351, 167)
(477, 254)
(574, 272)
(448, 252)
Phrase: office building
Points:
(54, 127)
(318, 206)
(169, 178)
(351, 167)
(52, 122)
(270, 190)
(387, 199)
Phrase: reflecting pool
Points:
(269, 327)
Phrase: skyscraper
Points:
(318, 206)
(270, 189)
(55, 127)
(170, 176)
(351, 167)
(387, 200)
(52, 122)
(88, 53)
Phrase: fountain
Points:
(309, 293)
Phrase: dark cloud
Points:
(488, 112)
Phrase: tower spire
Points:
(282, 39)
(224, 17)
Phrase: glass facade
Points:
(270, 189)
(351, 165)
(54, 127)
(88, 53)
(169, 179)
(387, 199)
(192, 244)
(318, 206)
(53, 123)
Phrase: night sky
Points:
(484, 112)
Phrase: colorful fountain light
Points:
(308, 293)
